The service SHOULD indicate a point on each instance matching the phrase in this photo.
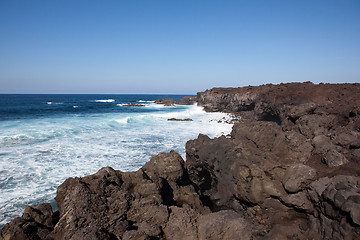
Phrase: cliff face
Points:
(289, 170)
(285, 101)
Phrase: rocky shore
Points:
(290, 169)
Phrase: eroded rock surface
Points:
(288, 170)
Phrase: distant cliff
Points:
(289, 170)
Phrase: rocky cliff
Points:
(289, 170)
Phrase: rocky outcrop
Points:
(165, 101)
(291, 165)
(187, 100)
(288, 170)
(156, 202)
(285, 101)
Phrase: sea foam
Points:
(105, 100)
(38, 154)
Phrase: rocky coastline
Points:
(290, 169)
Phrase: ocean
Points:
(45, 139)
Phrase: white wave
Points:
(105, 100)
(75, 106)
(73, 146)
(49, 103)
(155, 105)
(123, 120)
(144, 101)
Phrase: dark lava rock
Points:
(133, 105)
(180, 120)
(188, 100)
(166, 101)
(288, 170)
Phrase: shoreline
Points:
(49, 162)
(288, 169)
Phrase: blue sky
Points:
(175, 46)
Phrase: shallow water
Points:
(45, 139)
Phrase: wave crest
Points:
(105, 100)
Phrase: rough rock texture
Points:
(187, 100)
(165, 101)
(291, 166)
(288, 170)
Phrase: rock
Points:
(297, 176)
(337, 199)
(133, 105)
(322, 145)
(333, 158)
(180, 120)
(165, 101)
(225, 224)
(36, 223)
(182, 224)
(41, 214)
(348, 139)
(188, 100)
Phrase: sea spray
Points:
(40, 149)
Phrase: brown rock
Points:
(133, 105)
(297, 176)
(178, 119)
(165, 101)
(225, 224)
(188, 100)
(333, 158)
(182, 224)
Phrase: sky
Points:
(175, 46)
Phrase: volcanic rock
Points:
(179, 119)
(165, 101)
(187, 100)
(133, 105)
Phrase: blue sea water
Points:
(45, 139)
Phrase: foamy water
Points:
(37, 154)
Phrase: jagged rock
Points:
(225, 224)
(333, 158)
(166, 101)
(188, 100)
(182, 224)
(297, 176)
(41, 214)
(36, 223)
(337, 201)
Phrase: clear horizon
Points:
(174, 47)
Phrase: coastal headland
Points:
(290, 169)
